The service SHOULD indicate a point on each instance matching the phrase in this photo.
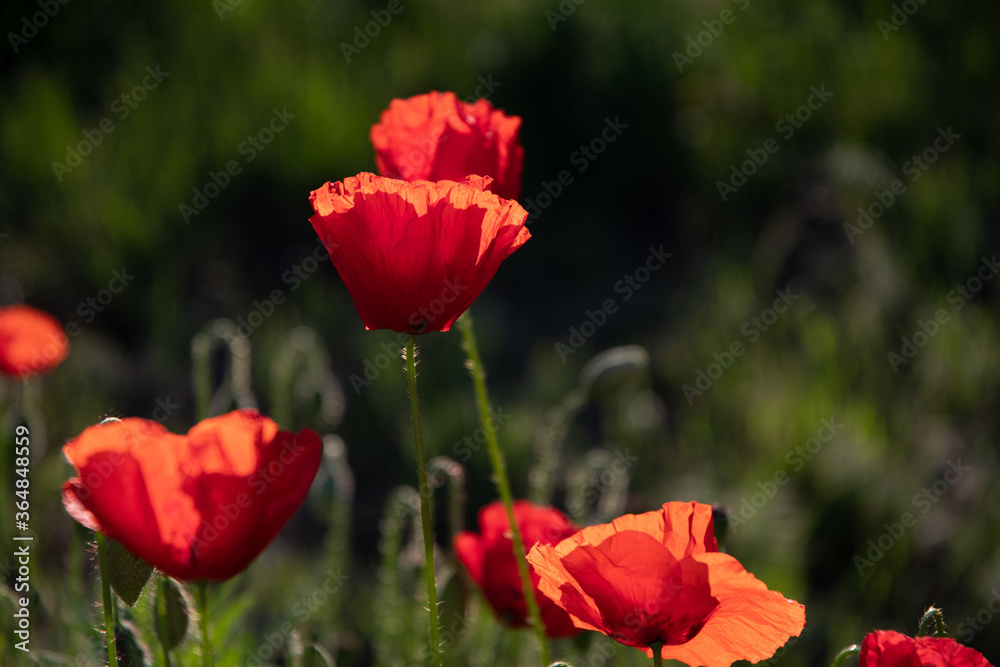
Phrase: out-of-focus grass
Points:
(825, 358)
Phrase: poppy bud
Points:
(129, 648)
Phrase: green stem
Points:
(206, 647)
(161, 616)
(848, 652)
(657, 654)
(475, 367)
(109, 609)
(425, 500)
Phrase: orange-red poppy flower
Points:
(414, 256)
(436, 137)
(197, 506)
(657, 579)
(489, 557)
(885, 648)
(31, 341)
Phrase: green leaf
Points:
(127, 572)
(173, 617)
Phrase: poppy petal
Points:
(470, 554)
(887, 648)
(489, 559)
(642, 591)
(657, 578)
(750, 622)
(200, 506)
(414, 256)
(31, 341)
(437, 137)
(684, 528)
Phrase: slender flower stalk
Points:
(657, 654)
(206, 646)
(161, 616)
(109, 609)
(425, 499)
(475, 366)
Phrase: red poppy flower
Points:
(658, 579)
(196, 506)
(435, 137)
(414, 256)
(885, 648)
(489, 558)
(31, 341)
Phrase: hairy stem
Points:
(475, 366)
(425, 500)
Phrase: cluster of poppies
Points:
(415, 246)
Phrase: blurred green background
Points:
(697, 89)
